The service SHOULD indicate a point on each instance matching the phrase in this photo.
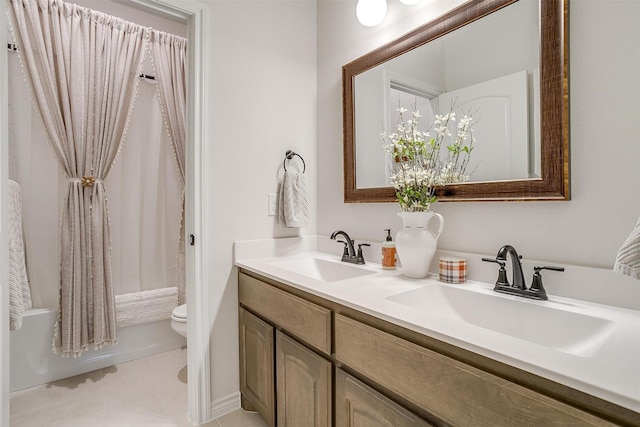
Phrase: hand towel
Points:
(293, 204)
(19, 293)
(628, 259)
(280, 205)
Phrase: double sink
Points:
(561, 326)
(594, 348)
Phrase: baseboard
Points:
(225, 405)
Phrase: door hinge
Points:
(192, 239)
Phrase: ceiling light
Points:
(371, 12)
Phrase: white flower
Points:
(418, 166)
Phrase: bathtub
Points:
(33, 362)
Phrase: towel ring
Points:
(289, 155)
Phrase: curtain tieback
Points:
(86, 181)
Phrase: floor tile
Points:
(149, 392)
(55, 393)
(80, 410)
(145, 392)
(241, 418)
(180, 355)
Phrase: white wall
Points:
(605, 182)
(117, 8)
(261, 101)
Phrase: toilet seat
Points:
(179, 314)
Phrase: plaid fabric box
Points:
(453, 270)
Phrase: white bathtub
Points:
(33, 362)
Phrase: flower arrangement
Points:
(417, 166)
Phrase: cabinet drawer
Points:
(456, 393)
(306, 321)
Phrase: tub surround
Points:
(609, 370)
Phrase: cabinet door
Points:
(256, 365)
(303, 385)
(358, 405)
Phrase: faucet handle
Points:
(548, 267)
(502, 273)
(345, 252)
(536, 285)
(360, 257)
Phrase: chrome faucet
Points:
(536, 291)
(349, 253)
(516, 266)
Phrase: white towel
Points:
(293, 204)
(19, 293)
(628, 259)
(138, 308)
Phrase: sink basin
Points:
(546, 323)
(322, 269)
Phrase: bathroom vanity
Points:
(321, 344)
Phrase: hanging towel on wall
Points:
(628, 259)
(138, 308)
(293, 204)
(19, 293)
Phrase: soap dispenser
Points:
(388, 252)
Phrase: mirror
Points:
(530, 160)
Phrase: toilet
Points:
(179, 320)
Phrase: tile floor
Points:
(146, 392)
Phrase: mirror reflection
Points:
(477, 70)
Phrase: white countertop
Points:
(611, 371)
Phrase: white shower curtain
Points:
(82, 66)
(169, 53)
(144, 201)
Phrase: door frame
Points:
(197, 17)
(4, 251)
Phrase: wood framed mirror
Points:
(551, 109)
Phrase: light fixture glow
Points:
(410, 2)
(371, 12)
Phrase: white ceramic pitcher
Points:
(416, 243)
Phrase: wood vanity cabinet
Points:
(289, 383)
(292, 343)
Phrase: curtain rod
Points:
(12, 47)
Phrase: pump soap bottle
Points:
(388, 252)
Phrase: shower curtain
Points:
(169, 54)
(144, 187)
(84, 100)
(144, 201)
